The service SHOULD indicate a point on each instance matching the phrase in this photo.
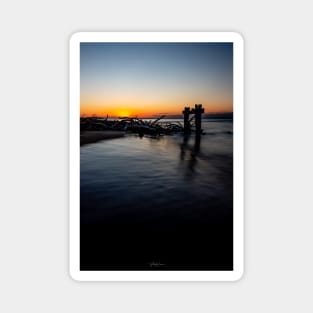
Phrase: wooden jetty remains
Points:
(187, 128)
(143, 127)
(197, 111)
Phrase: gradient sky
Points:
(146, 79)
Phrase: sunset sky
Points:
(148, 79)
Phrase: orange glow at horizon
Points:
(147, 110)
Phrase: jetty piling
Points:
(197, 111)
(186, 113)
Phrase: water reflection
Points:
(191, 151)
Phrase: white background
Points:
(34, 156)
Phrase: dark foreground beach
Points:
(94, 136)
(163, 203)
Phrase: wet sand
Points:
(94, 136)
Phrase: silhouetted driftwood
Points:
(131, 124)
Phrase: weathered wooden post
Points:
(186, 113)
(198, 110)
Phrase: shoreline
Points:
(87, 137)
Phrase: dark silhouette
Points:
(198, 110)
(186, 113)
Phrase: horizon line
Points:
(156, 115)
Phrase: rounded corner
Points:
(74, 37)
(74, 275)
(238, 275)
(237, 36)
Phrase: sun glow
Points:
(123, 113)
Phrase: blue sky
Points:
(145, 78)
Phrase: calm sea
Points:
(158, 203)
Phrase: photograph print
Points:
(156, 156)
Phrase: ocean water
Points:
(161, 203)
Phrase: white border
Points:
(74, 151)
